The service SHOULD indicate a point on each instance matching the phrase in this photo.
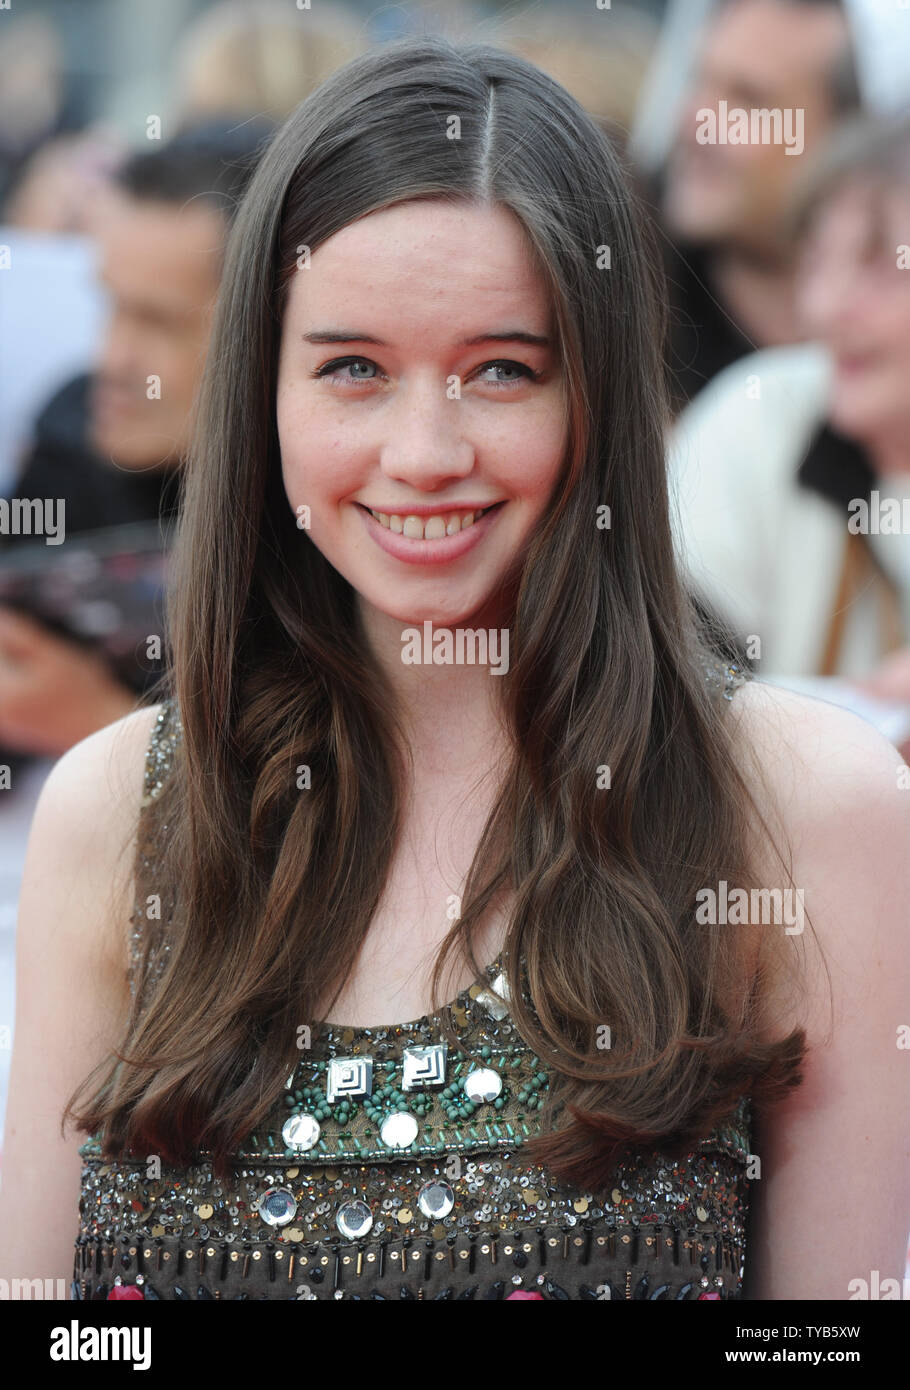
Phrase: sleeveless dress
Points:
(393, 1168)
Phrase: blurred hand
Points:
(52, 692)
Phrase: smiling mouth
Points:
(428, 528)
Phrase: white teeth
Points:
(427, 528)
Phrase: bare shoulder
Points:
(87, 812)
(107, 766)
(820, 769)
(71, 982)
(838, 794)
(835, 797)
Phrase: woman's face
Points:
(854, 296)
(418, 378)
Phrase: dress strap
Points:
(148, 944)
(725, 677)
(167, 732)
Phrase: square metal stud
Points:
(424, 1066)
(349, 1076)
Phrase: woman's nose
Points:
(425, 441)
(822, 296)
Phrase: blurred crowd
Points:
(788, 273)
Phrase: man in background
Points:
(729, 263)
(109, 444)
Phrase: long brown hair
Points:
(271, 891)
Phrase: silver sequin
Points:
(277, 1206)
(398, 1131)
(482, 1084)
(354, 1219)
(301, 1131)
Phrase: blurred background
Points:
(770, 143)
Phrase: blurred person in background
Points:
(792, 469)
(238, 59)
(242, 59)
(729, 265)
(34, 103)
(107, 444)
(59, 188)
(600, 57)
(51, 165)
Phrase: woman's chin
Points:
(468, 612)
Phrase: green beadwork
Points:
(389, 1100)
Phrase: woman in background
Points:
(782, 464)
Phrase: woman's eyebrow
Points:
(345, 335)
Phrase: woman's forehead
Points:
(425, 261)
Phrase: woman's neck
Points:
(450, 709)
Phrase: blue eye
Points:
(523, 372)
(333, 368)
(362, 369)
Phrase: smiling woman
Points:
(430, 432)
(416, 347)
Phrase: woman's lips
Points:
(434, 552)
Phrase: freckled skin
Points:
(421, 277)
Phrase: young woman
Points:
(440, 980)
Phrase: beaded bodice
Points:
(394, 1167)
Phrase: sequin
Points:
(277, 1206)
(484, 1084)
(354, 1220)
(301, 1131)
(436, 1199)
(399, 1131)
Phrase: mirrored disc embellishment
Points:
(354, 1219)
(436, 1199)
(482, 1084)
(350, 1077)
(398, 1131)
(300, 1131)
(277, 1206)
(424, 1066)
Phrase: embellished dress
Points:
(393, 1167)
